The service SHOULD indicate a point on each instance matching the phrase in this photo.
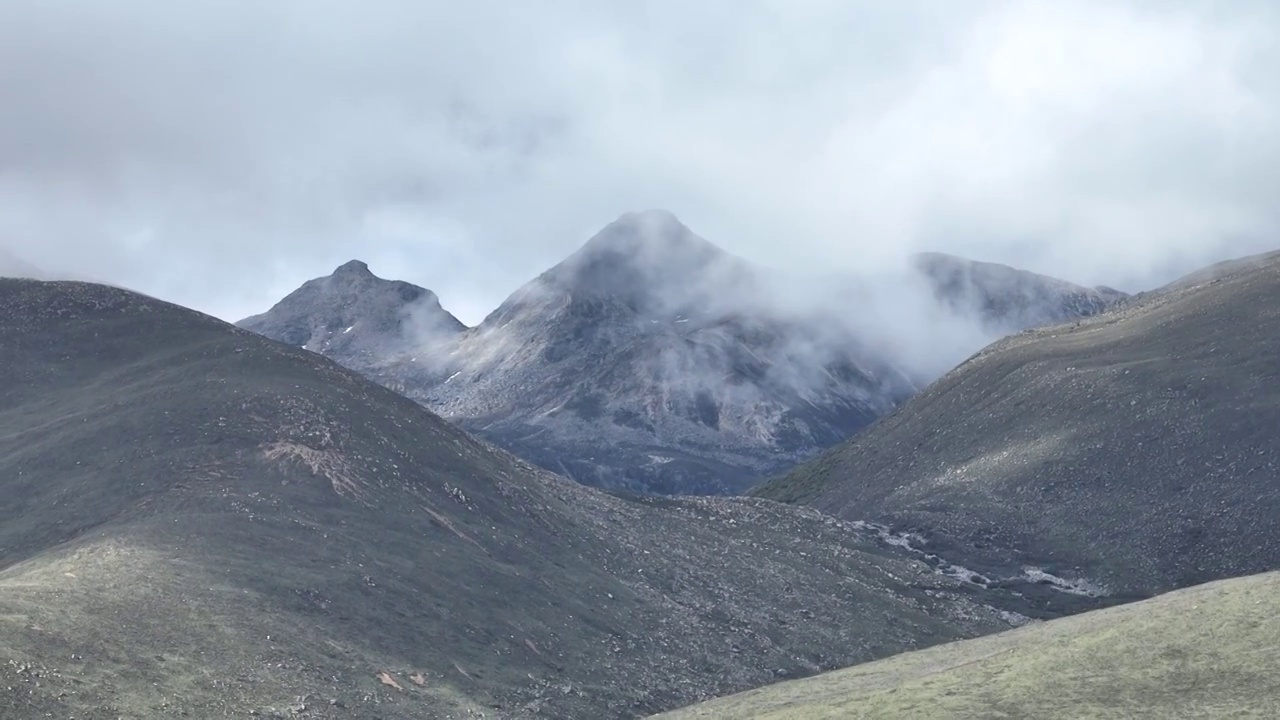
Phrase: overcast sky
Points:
(219, 152)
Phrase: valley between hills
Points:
(634, 489)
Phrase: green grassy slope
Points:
(1212, 651)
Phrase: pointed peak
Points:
(648, 261)
(656, 222)
(653, 217)
(653, 235)
(354, 268)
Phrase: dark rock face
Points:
(355, 317)
(1138, 449)
(199, 521)
(1006, 299)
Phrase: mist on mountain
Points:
(651, 359)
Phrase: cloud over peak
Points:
(218, 153)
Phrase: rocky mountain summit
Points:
(650, 360)
(355, 317)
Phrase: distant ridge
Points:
(1007, 299)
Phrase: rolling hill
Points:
(1134, 452)
(199, 521)
(1211, 651)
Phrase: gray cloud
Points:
(218, 153)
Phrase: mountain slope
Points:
(201, 521)
(1217, 271)
(650, 360)
(1006, 299)
(653, 361)
(1136, 449)
(1211, 651)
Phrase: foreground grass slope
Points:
(1137, 449)
(199, 521)
(1211, 651)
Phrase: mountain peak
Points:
(652, 215)
(644, 257)
(649, 235)
(327, 311)
(353, 268)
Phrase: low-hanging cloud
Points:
(218, 153)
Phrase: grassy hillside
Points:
(1211, 651)
(1137, 449)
